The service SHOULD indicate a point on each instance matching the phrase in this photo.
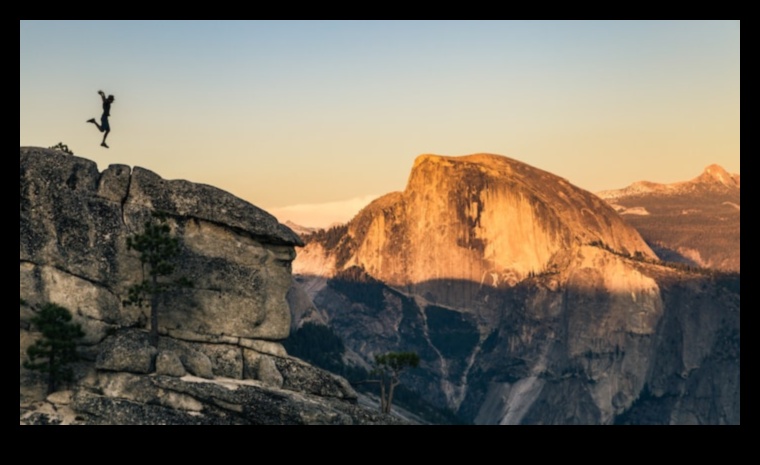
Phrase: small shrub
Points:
(61, 147)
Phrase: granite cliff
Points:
(467, 222)
(219, 359)
(528, 299)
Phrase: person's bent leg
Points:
(92, 120)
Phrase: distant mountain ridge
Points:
(714, 177)
(298, 229)
(696, 222)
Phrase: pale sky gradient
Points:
(286, 113)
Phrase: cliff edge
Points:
(219, 359)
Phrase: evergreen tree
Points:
(388, 368)
(158, 250)
(53, 353)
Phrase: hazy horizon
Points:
(294, 116)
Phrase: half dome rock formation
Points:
(483, 219)
(219, 357)
(529, 301)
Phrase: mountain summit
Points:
(716, 174)
(480, 219)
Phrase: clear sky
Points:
(291, 113)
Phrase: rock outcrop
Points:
(528, 300)
(219, 359)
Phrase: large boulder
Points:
(74, 224)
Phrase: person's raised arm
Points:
(102, 95)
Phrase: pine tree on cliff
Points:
(158, 250)
(388, 368)
(57, 349)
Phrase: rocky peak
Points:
(713, 178)
(716, 174)
(483, 219)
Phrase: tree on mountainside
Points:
(158, 249)
(57, 349)
(387, 369)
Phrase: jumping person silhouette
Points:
(104, 126)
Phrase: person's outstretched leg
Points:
(92, 120)
(104, 140)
